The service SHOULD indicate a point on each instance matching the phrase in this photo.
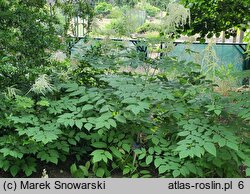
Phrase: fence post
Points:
(223, 36)
(241, 36)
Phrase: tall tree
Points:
(210, 17)
(27, 34)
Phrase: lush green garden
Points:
(107, 110)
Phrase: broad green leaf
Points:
(144, 171)
(100, 132)
(130, 100)
(99, 145)
(96, 98)
(217, 138)
(24, 102)
(146, 176)
(29, 170)
(87, 107)
(184, 133)
(78, 92)
(72, 141)
(53, 159)
(191, 168)
(97, 158)
(71, 87)
(14, 170)
(176, 173)
(162, 169)
(109, 155)
(151, 150)
(232, 145)
(43, 103)
(183, 154)
(135, 175)
(144, 105)
(210, 148)
(100, 101)
(184, 171)
(105, 116)
(125, 171)
(136, 109)
(83, 99)
(247, 162)
(97, 152)
(71, 122)
(158, 150)
(126, 147)
(100, 172)
(87, 165)
(112, 122)
(79, 124)
(217, 112)
(107, 125)
(141, 156)
(170, 96)
(222, 142)
(100, 125)
(137, 151)
(158, 162)
(116, 152)
(155, 140)
(120, 118)
(217, 162)
(104, 158)
(73, 169)
(84, 171)
(197, 151)
(248, 172)
(105, 108)
(88, 126)
(149, 159)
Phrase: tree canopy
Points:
(210, 17)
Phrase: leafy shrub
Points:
(126, 24)
(25, 41)
(141, 125)
(225, 17)
(118, 27)
(151, 10)
(147, 27)
(103, 8)
(165, 121)
(116, 12)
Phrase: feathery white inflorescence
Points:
(177, 15)
(42, 85)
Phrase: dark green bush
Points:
(151, 10)
(103, 8)
(148, 27)
(27, 39)
(137, 124)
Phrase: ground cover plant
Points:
(97, 113)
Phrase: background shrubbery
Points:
(103, 8)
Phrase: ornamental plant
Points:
(138, 124)
(119, 112)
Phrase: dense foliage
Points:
(149, 9)
(27, 38)
(211, 17)
(110, 110)
(123, 2)
(140, 124)
(103, 8)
